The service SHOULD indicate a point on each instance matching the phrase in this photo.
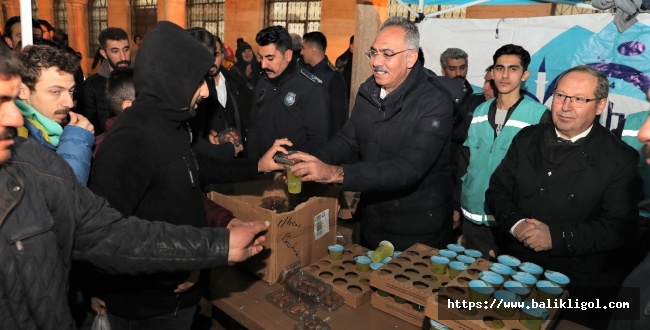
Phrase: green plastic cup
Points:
(384, 250)
(294, 183)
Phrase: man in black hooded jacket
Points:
(146, 167)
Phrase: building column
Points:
(77, 12)
(370, 16)
(46, 10)
(174, 11)
(119, 15)
(244, 18)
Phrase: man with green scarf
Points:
(45, 101)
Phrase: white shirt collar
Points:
(577, 137)
(382, 93)
(222, 92)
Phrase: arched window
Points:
(208, 14)
(60, 16)
(97, 21)
(143, 16)
(298, 16)
(34, 9)
(396, 9)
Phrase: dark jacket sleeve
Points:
(415, 159)
(253, 138)
(339, 104)
(87, 104)
(340, 147)
(104, 237)
(222, 151)
(218, 216)
(116, 244)
(215, 170)
(317, 122)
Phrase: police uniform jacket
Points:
(293, 105)
(337, 91)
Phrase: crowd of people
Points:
(435, 163)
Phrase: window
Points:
(97, 21)
(298, 16)
(208, 14)
(60, 17)
(396, 9)
(143, 16)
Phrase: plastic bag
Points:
(101, 322)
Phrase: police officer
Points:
(314, 45)
(290, 101)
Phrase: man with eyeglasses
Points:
(400, 127)
(494, 124)
(290, 101)
(566, 192)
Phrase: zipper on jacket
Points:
(19, 243)
(178, 304)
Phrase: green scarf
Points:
(50, 129)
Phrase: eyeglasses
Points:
(386, 56)
(579, 100)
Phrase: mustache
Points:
(269, 70)
(380, 69)
(8, 133)
(63, 111)
(126, 63)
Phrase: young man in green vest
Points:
(494, 125)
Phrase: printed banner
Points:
(555, 43)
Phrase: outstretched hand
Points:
(313, 169)
(244, 240)
(266, 163)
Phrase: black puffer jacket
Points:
(404, 173)
(47, 218)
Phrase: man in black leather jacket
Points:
(47, 218)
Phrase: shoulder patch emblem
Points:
(311, 76)
(290, 99)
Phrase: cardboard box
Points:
(346, 280)
(409, 275)
(482, 318)
(299, 235)
(403, 311)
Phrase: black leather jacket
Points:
(47, 218)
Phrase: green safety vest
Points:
(633, 123)
(486, 153)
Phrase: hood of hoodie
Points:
(169, 69)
